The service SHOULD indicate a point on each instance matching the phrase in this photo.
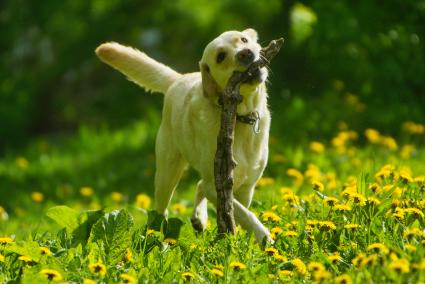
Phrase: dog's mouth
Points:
(257, 76)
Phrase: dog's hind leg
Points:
(200, 210)
(169, 169)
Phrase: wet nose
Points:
(245, 56)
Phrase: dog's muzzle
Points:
(245, 57)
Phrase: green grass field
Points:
(347, 210)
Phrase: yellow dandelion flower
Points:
(37, 197)
(285, 273)
(348, 192)
(389, 142)
(372, 201)
(296, 175)
(334, 258)
(321, 276)
(89, 281)
(327, 226)
(420, 180)
(128, 255)
(330, 201)
(286, 190)
(271, 216)
(410, 247)
(5, 240)
(299, 266)
(290, 197)
(378, 247)
(398, 213)
(358, 260)
(317, 147)
(317, 185)
(170, 241)
(343, 279)
(352, 226)
(236, 265)
(407, 151)
(117, 196)
(280, 258)
(342, 207)
(98, 268)
(413, 128)
(217, 272)
(400, 266)
(86, 191)
(420, 265)
(315, 266)
(412, 232)
(126, 278)
(179, 208)
(417, 213)
(358, 199)
(371, 259)
(290, 234)
(45, 251)
(2, 258)
(25, 258)
(271, 251)
(143, 201)
(22, 163)
(375, 188)
(276, 230)
(187, 276)
(265, 181)
(372, 135)
(51, 274)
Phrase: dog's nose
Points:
(245, 56)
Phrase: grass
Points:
(348, 210)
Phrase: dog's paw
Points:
(197, 224)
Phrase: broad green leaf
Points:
(66, 217)
(86, 220)
(113, 232)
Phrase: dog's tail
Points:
(138, 67)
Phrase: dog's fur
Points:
(191, 122)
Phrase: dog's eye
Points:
(220, 57)
(244, 39)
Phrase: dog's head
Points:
(231, 51)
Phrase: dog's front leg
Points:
(243, 216)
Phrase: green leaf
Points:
(86, 220)
(66, 217)
(112, 234)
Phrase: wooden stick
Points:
(224, 163)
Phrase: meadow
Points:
(347, 210)
(344, 189)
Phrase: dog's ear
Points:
(251, 33)
(208, 83)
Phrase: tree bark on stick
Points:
(224, 164)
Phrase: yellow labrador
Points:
(191, 121)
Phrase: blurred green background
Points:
(77, 122)
(362, 62)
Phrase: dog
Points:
(191, 122)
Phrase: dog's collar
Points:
(252, 118)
